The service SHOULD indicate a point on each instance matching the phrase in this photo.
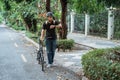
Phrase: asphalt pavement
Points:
(18, 60)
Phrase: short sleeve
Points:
(44, 26)
(57, 22)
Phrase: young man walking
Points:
(50, 38)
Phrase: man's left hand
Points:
(52, 26)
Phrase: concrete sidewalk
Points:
(72, 59)
(91, 41)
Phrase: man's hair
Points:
(49, 14)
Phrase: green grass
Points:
(18, 28)
(32, 36)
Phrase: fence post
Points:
(87, 24)
(68, 23)
(110, 24)
(72, 21)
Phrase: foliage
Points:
(117, 35)
(1, 12)
(18, 1)
(26, 15)
(20, 28)
(56, 8)
(65, 44)
(101, 64)
(1, 19)
(79, 23)
(108, 3)
(91, 6)
(7, 5)
(87, 6)
(32, 36)
(117, 24)
(98, 24)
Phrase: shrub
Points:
(117, 35)
(101, 64)
(65, 44)
(1, 19)
(18, 27)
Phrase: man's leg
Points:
(49, 52)
(53, 49)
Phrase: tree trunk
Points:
(28, 23)
(31, 24)
(48, 5)
(34, 22)
(63, 18)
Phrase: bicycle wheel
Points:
(42, 63)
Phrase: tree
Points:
(48, 5)
(21, 11)
(63, 16)
(29, 14)
(7, 5)
(1, 11)
(108, 3)
(63, 19)
(86, 6)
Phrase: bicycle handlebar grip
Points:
(41, 42)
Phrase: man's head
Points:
(50, 16)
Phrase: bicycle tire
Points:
(42, 63)
(41, 56)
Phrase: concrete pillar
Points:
(87, 24)
(110, 24)
(72, 21)
(68, 23)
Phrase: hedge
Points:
(102, 64)
(65, 44)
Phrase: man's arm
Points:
(57, 26)
(42, 34)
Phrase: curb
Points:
(30, 40)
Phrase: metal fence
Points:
(79, 23)
(117, 24)
(98, 24)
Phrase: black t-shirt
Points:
(50, 33)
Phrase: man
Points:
(50, 38)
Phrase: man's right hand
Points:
(42, 35)
(41, 38)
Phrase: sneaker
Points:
(53, 65)
(49, 65)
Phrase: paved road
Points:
(18, 60)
